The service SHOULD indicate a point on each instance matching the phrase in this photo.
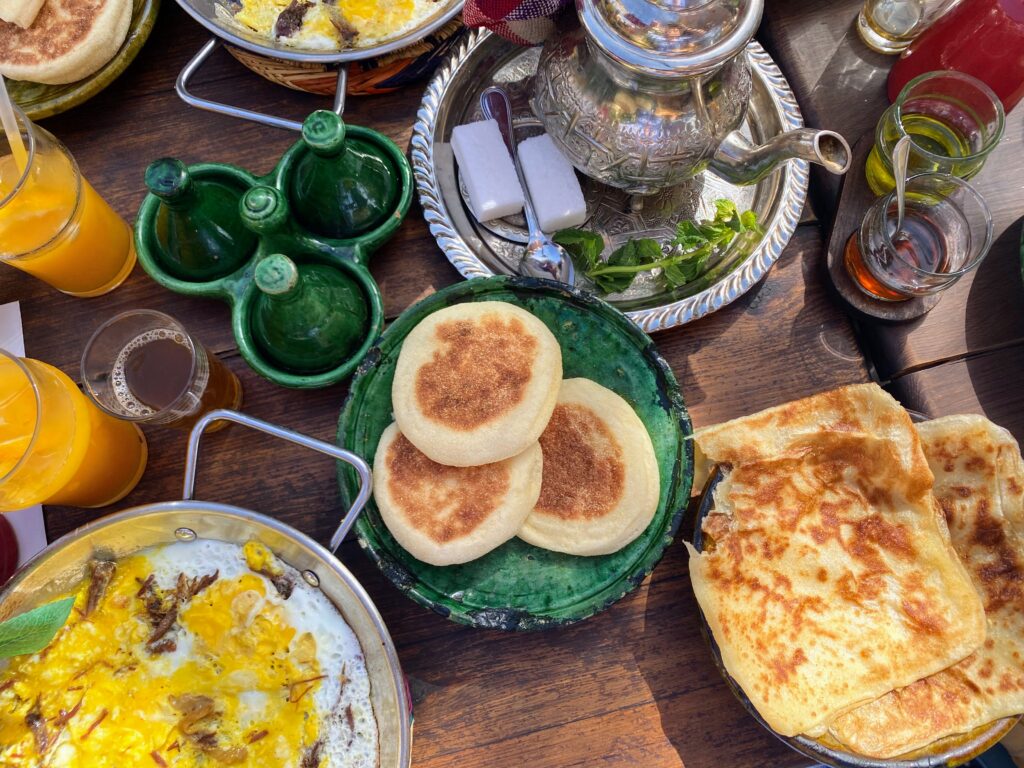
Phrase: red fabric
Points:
(526, 22)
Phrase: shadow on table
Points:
(995, 304)
(705, 723)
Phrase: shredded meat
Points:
(163, 626)
(37, 724)
(348, 33)
(102, 572)
(311, 758)
(283, 583)
(163, 608)
(188, 588)
(289, 21)
(196, 724)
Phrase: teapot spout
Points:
(741, 162)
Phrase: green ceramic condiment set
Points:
(287, 251)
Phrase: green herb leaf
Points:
(632, 257)
(584, 247)
(33, 630)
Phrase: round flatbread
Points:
(444, 515)
(601, 481)
(476, 383)
(69, 40)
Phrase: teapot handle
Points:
(185, 78)
(361, 467)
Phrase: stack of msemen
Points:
(489, 443)
(863, 578)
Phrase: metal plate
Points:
(948, 752)
(483, 59)
(518, 586)
(205, 12)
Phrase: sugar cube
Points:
(551, 180)
(487, 170)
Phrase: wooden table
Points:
(632, 686)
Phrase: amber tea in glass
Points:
(946, 232)
(144, 366)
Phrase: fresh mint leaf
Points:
(634, 256)
(584, 247)
(33, 630)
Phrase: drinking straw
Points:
(10, 126)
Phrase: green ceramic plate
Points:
(39, 101)
(518, 586)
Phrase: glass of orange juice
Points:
(52, 223)
(56, 446)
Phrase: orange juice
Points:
(56, 447)
(54, 226)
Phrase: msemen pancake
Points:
(444, 515)
(69, 40)
(601, 484)
(476, 383)
(979, 483)
(829, 578)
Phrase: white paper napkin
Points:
(28, 523)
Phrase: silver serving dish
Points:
(205, 12)
(483, 59)
(63, 565)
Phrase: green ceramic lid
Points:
(264, 209)
(276, 274)
(518, 586)
(324, 132)
(168, 178)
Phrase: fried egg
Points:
(194, 653)
(323, 25)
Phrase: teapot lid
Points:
(671, 38)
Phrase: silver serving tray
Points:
(476, 250)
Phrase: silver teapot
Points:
(645, 94)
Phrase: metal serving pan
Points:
(62, 565)
(205, 12)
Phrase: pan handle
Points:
(185, 78)
(358, 464)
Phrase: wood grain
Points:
(633, 686)
(988, 383)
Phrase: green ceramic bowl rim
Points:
(975, 742)
(349, 254)
(677, 500)
(368, 242)
(241, 316)
(140, 28)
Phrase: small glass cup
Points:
(143, 366)
(947, 231)
(53, 224)
(954, 121)
(889, 26)
(56, 447)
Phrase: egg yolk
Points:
(99, 696)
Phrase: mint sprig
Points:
(695, 242)
(33, 630)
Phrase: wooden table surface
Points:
(632, 686)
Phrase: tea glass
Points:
(941, 211)
(206, 383)
(889, 26)
(954, 121)
(56, 447)
(53, 224)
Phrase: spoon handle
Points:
(495, 105)
(900, 157)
